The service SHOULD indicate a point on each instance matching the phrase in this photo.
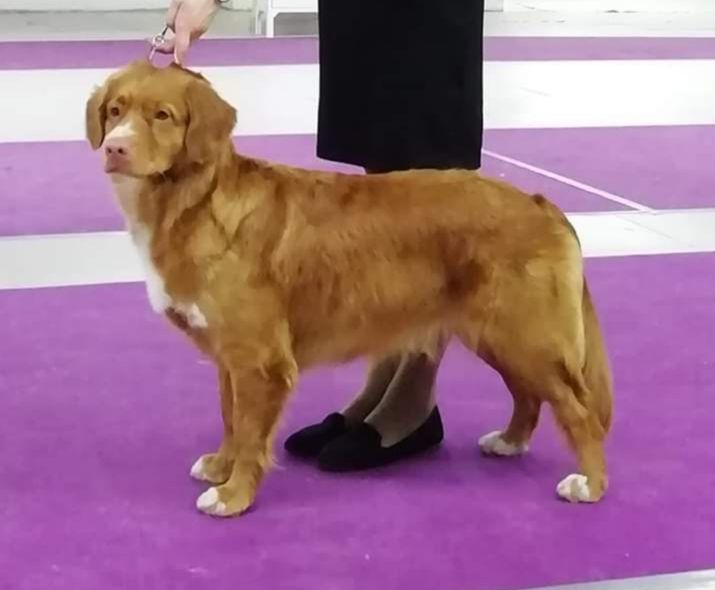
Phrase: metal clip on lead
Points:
(157, 41)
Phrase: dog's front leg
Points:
(216, 467)
(259, 392)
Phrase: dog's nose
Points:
(117, 148)
(116, 154)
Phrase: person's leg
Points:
(409, 399)
(310, 440)
(397, 405)
(405, 422)
(378, 380)
(394, 416)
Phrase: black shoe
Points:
(360, 448)
(309, 441)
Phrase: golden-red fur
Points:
(291, 268)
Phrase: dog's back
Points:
(414, 250)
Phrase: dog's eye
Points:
(114, 111)
(162, 115)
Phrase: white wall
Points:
(35, 5)
(39, 5)
(653, 6)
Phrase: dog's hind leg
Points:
(586, 416)
(536, 338)
(537, 375)
(514, 440)
(584, 433)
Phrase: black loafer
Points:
(360, 447)
(308, 442)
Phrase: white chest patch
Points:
(127, 193)
(193, 315)
(156, 291)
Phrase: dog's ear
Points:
(96, 115)
(211, 121)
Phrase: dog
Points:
(270, 270)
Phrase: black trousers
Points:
(401, 83)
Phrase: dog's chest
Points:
(160, 300)
(155, 284)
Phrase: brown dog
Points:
(271, 269)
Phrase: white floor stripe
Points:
(693, 580)
(109, 257)
(570, 182)
(284, 99)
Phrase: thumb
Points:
(182, 40)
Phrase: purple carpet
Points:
(667, 167)
(104, 409)
(662, 167)
(73, 195)
(300, 50)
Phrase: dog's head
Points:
(148, 120)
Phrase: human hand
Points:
(189, 19)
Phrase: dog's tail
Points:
(596, 368)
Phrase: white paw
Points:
(197, 470)
(494, 444)
(574, 488)
(209, 503)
